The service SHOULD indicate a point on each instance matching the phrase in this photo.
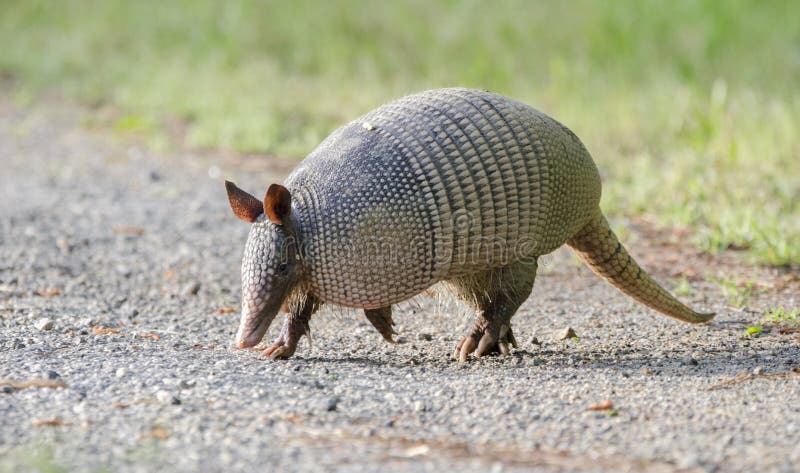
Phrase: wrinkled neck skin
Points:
(273, 278)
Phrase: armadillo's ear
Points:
(278, 204)
(244, 205)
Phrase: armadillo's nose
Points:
(249, 334)
(252, 327)
(246, 340)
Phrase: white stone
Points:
(44, 324)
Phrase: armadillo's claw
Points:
(510, 338)
(275, 352)
(466, 346)
(381, 319)
(278, 343)
(387, 336)
(279, 350)
(484, 342)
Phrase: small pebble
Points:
(534, 341)
(167, 398)
(389, 423)
(121, 372)
(425, 336)
(690, 361)
(329, 404)
(191, 289)
(758, 370)
(567, 334)
(187, 383)
(44, 324)
(7, 389)
(63, 244)
(125, 271)
(53, 375)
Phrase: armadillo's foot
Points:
(277, 350)
(286, 343)
(381, 319)
(485, 341)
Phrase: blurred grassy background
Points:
(690, 108)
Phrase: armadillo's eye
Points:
(282, 267)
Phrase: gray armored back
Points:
(436, 185)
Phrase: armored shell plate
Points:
(433, 186)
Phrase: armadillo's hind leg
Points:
(496, 295)
(295, 325)
(381, 319)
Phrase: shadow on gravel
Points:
(363, 361)
(630, 361)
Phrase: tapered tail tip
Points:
(700, 317)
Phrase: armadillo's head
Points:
(270, 266)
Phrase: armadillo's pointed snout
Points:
(253, 327)
(247, 338)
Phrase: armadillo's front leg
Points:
(294, 327)
(381, 319)
(496, 295)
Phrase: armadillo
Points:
(456, 186)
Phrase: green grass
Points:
(37, 459)
(683, 287)
(737, 294)
(690, 108)
(781, 316)
(754, 330)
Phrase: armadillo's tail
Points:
(599, 247)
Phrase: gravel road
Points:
(119, 283)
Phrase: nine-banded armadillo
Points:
(458, 186)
